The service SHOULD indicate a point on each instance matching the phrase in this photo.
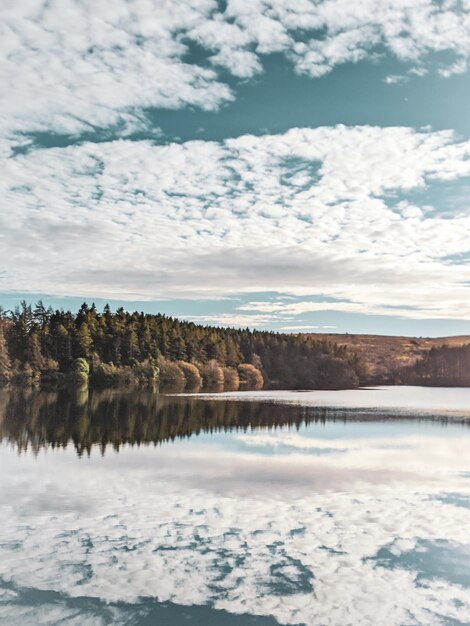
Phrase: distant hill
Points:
(384, 354)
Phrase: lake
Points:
(319, 508)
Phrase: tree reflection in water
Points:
(34, 420)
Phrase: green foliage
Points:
(63, 346)
(81, 366)
(125, 348)
(83, 341)
(80, 372)
(5, 363)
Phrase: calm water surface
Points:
(318, 508)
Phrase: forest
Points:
(42, 347)
(444, 366)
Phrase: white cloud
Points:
(138, 220)
(300, 328)
(75, 66)
(232, 319)
(394, 79)
(293, 328)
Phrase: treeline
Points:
(42, 346)
(443, 366)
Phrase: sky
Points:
(292, 165)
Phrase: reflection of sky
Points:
(335, 523)
(431, 560)
(353, 430)
(406, 400)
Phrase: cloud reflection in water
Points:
(247, 522)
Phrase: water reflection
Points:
(36, 419)
(259, 512)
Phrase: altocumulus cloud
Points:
(72, 66)
(319, 212)
(309, 212)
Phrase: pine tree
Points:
(5, 363)
(63, 347)
(83, 342)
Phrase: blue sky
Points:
(284, 165)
